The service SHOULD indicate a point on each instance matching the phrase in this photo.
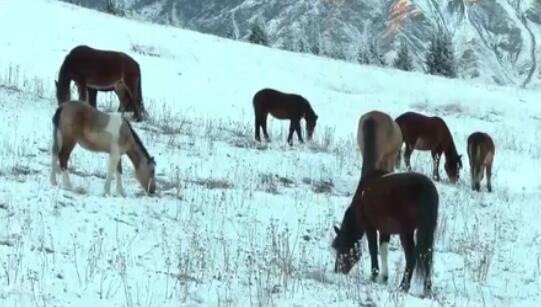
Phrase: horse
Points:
(481, 156)
(95, 70)
(430, 133)
(411, 206)
(77, 122)
(382, 134)
(283, 106)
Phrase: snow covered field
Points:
(234, 223)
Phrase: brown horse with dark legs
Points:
(95, 70)
(283, 106)
(379, 132)
(430, 133)
(411, 206)
(481, 155)
(75, 122)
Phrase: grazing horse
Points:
(379, 132)
(390, 203)
(481, 155)
(283, 106)
(430, 133)
(78, 123)
(95, 70)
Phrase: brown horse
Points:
(78, 123)
(481, 155)
(283, 106)
(95, 70)
(411, 206)
(430, 133)
(379, 139)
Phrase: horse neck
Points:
(136, 155)
(450, 151)
(308, 110)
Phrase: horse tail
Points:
(427, 214)
(63, 92)
(369, 142)
(57, 136)
(140, 92)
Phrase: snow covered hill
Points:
(235, 223)
(497, 41)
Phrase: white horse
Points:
(76, 122)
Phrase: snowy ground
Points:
(236, 224)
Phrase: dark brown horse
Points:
(411, 206)
(283, 106)
(95, 70)
(481, 155)
(430, 133)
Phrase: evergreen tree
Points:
(440, 59)
(258, 36)
(403, 61)
(375, 54)
(114, 8)
(362, 56)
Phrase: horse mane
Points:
(138, 141)
(450, 151)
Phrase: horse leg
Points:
(264, 126)
(489, 177)
(384, 250)
(372, 237)
(63, 157)
(131, 85)
(436, 165)
(114, 158)
(291, 130)
(119, 187)
(407, 156)
(408, 244)
(82, 88)
(92, 96)
(398, 158)
(257, 126)
(123, 97)
(298, 130)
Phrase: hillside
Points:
(236, 223)
(495, 41)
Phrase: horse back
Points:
(480, 148)
(425, 132)
(388, 134)
(279, 104)
(394, 201)
(87, 61)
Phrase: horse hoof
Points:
(384, 279)
(404, 288)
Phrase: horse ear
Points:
(336, 229)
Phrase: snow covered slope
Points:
(237, 224)
(497, 41)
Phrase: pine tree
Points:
(403, 61)
(114, 8)
(375, 55)
(362, 56)
(440, 59)
(258, 36)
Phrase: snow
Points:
(236, 223)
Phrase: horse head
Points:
(453, 167)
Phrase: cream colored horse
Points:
(379, 139)
(76, 122)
